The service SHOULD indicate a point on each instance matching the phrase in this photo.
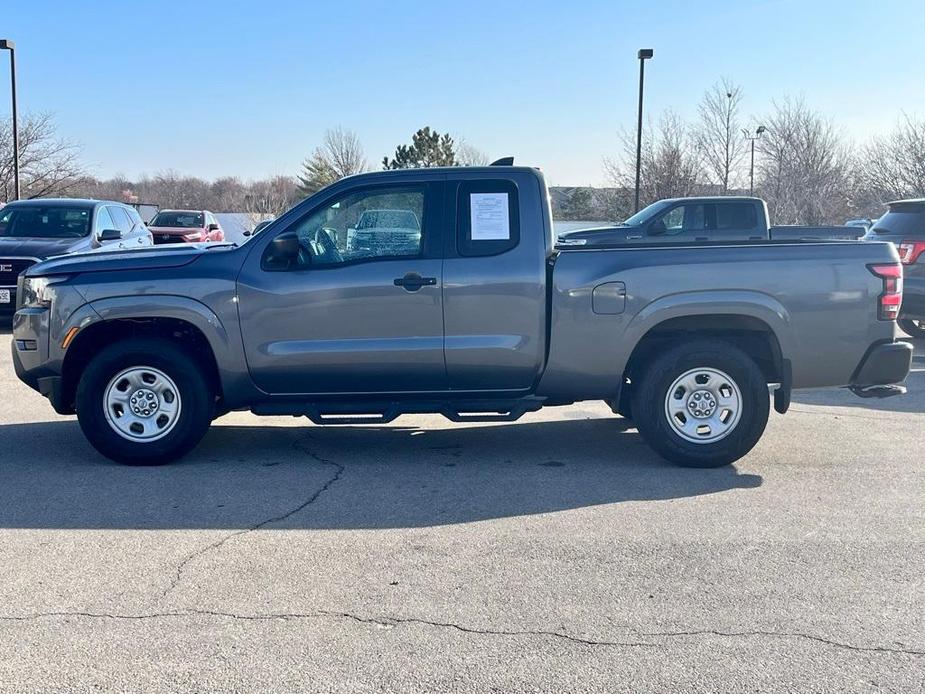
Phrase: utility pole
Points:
(751, 173)
(6, 44)
(644, 54)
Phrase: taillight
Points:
(909, 251)
(892, 297)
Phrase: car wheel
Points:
(704, 404)
(913, 326)
(144, 402)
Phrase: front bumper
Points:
(8, 309)
(882, 369)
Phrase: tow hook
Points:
(887, 391)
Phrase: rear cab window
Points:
(487, 217)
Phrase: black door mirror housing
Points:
(213, 227)
(110, 235)
(284, 253)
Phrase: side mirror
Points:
(213, 227)
(246, 233)
(110, 235)
(283, 253)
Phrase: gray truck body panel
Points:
(531, 322)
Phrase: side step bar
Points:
(361, 412)
(878, 391)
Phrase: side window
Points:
(121, 219)
(104, 220)
(736, 215)
(679, 219)
(487, 217)
(361, 226)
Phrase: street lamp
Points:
(644, 54)
(748, 136)
(7, 45)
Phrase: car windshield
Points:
(646, 213)
(44, 221)
(184, 220)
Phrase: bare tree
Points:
(469, 155)
(340, 154)
(719, 136)
(804, 166)
(48, 164)
(670, 165)
(894, 165)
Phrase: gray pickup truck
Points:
(480, 317)
(717, 219)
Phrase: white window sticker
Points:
(490, 220)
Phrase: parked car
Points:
(484, 320)
(718, 219)
(33, 230)
(904, 226)
(185, 226)
(385, 232)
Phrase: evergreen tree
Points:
(428, 148)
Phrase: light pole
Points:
(752, 138)
(7, 45)
(644, 54)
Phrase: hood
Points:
(41, 248)
(595, 236)
(150, 258)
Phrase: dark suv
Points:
(904, 225)
(33, 230)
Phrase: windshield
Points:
(44, 221)
(184, 220)
(647, 213)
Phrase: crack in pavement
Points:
(397, 621)
(180, 568)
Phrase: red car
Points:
(185, 226)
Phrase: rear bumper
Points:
(886, 363)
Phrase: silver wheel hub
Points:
(142, 404)
(703, 405)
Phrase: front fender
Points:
(225, 343)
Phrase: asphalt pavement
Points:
(555, 554)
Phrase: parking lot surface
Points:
(550, 555)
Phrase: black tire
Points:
(196, 401)
(913, 326)
(649, 403)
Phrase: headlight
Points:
(572, 242)
(37, 292)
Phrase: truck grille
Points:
(10, 269)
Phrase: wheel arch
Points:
(189, 324)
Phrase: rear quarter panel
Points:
(820, 301)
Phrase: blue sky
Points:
(211, 88)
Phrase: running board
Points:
(360, 412)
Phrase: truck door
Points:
(328, 307)
(734, 221)
(494, 289)
(682, 223)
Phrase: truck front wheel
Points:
(703, 404)
(143, 401)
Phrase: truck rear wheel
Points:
(144, 402)
(913, 326)
(703, 404)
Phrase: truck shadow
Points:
(341, 477)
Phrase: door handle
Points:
(413, 281)
(633, 238)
